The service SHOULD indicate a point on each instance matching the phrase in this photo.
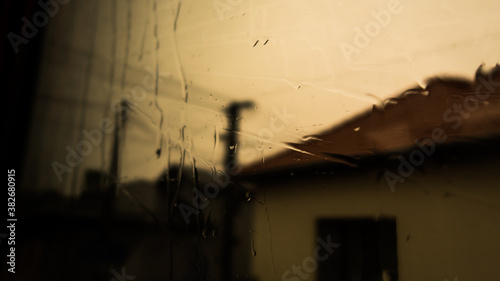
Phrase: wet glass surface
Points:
(260, 140)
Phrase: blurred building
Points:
(409, 191)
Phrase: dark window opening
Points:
(367, 251)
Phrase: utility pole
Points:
(233, 197)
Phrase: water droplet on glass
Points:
(308, 138)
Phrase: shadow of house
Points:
(138, 230)
(409, 190)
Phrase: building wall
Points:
(447, 220)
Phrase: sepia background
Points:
(229, 139)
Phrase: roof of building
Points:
(459, 110)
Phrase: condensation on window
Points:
(265, 140)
